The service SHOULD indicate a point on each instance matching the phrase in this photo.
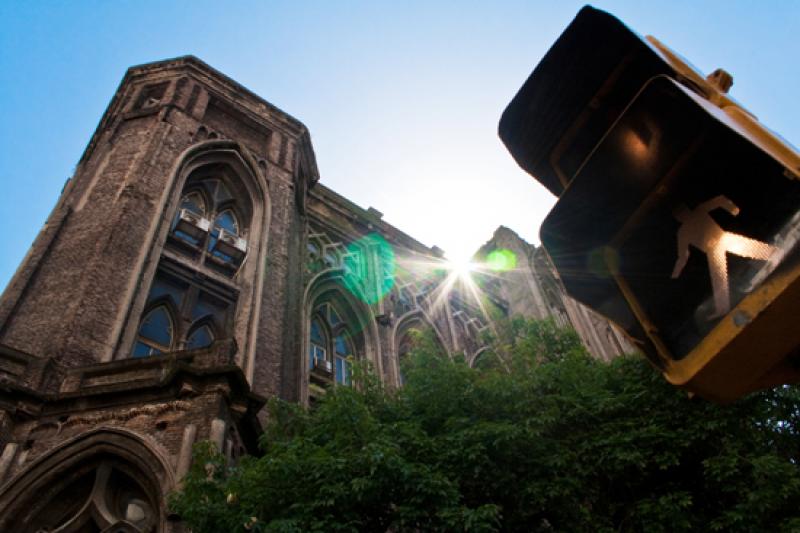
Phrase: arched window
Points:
(225, 223)
(156, 332)
(330, 346)
(218, 212)
(210, 224)
(180, 316)
(194, 202)
(226, 220)
(103, 498)
(201, 337)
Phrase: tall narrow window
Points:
(317, 350)
(155, 333)
(330, 347)
(204, 286)
(343, 351)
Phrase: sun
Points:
(462, 267)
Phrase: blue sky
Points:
(402, 98)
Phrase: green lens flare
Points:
(602, 261)
(501, 260)
(371, 268)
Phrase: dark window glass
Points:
(162, 287)
(143, 350)
(316, 333)
(329, 341)
(210, 198)
(200, 338)
(333, 317)
(227, 221)
(341, 346)
(194, 202)
(157, 326)
(318, 347)
(155, 333)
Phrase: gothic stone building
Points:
(533, 290)
(193, 267)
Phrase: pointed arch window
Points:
(225, 224)
(201, 337)
(194, 202)
(330, 347)
(226, 220)
(156, 332)
(105, 498)
(211, 224)
(179, 316)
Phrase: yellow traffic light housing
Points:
(678, 215)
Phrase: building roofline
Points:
(193, 61)
(249, 101)
(370, 216)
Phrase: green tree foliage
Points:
(549, 440)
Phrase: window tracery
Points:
(179, 316)
(210, 225)
(210, 252)
(102, 499)
(322, 253)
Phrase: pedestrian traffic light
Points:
(678, 215)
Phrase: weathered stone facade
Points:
(192, 268)
(533, 289)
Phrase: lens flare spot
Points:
(603, 261)
(367, 279)
(462, 268)
(501, 260)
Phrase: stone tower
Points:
(133, 327)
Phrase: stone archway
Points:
(107, 480)
(403, 338)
